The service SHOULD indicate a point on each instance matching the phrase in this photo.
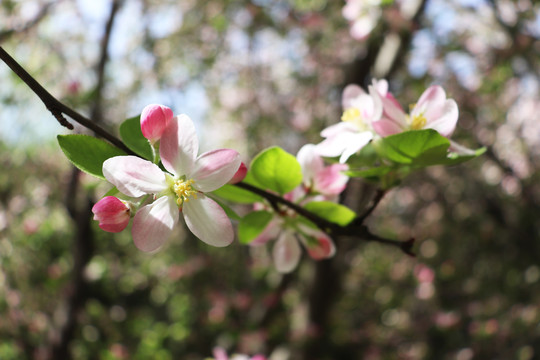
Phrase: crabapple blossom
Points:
(361, 110)
(432, 111)
(181, 188)
(112, 213)
(319, 183)
(154, 120)
(329, 181)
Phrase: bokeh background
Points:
(254, 74)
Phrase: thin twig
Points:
(57, 108)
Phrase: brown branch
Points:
(57, 108)
(354, 229)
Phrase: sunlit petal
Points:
(214, 169)
(286, 252)
(179, 145)
(208, 221)
(134, 176)
(154, 223)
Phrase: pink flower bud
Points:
(240, 174)
(154, 120)
(112, 213)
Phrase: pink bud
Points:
(240, 174)
(154, 120)
(112, 213)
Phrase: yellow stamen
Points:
(416, 122)
(354, 116)
(184, 190)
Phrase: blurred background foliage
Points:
(253, 74)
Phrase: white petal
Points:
(310, 162)
(179, 146)
(154, 223)
(354, 143)
(286, 252)
(214, 169)
(134, 176)
(350, 93)
(207, 221)
(446, 123)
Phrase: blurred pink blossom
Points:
(363, 16)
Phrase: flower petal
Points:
(386, 127)
(354, 143)
(445, 124)
(154, 223)
(179, 145)
(271, 231)
(310, 162)
(112, 213)
(134, 176)
(350, 93)
(213, 169)
(331, 180)
(154, 120)
(319, 245)
(286, 252)
(430, 103)
(207, 221)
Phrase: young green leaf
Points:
(331, 211)
(131, 134)
(87, 152)
(276, 170)
(252, 225)
(416, 147)
(236, 194)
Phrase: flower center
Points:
(354, 116)
(418, 122)
(184, 190)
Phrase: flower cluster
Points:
(377, 113)
(320, 182)
(157, 197)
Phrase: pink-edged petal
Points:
(319, 245)
(213, 169)
(446, 123)
(391, 109)
(208, 221)
(350, 93)
(354, 143)
(179, 145)
(154, 223)
(430, 103)
(286, 252)
(112, 213)
(154, 120)
(335, 145)
(386, 127)
(310, 162)
(338, 128)
(134, 176)
(331, 180)
(270, 232)
(381, 86)
(239, 175)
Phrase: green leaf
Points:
(87, 152)
(416, 147)
(455, 158)
(332, 212)
(131, 134)
(236, 194)
(276, 170)
(252, 225)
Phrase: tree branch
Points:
(57, 108)
(354, 229)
